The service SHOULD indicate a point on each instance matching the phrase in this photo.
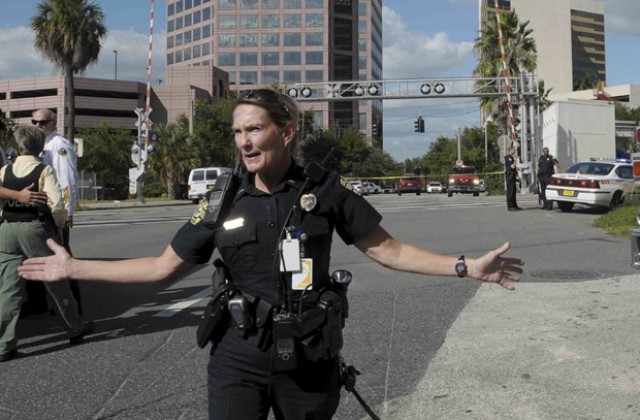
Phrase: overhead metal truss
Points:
(442, 87)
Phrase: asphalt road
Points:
(562, 346)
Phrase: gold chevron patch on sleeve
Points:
(66, 195)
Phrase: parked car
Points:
(388, 189)
(358, 187)
(463, 179)
(434, 187)
(202, 180)
(408, 184)
(596, 183)
(371, 188)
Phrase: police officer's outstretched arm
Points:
(138, 270)
(492, 267)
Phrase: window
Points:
(315, 4)
(206, 49)
(270, 21)
(171, 9)
(270, 58)
(196, 51)
(248, 40)
(270, 76)
(196, 34)
(206, 13)
(314, 76)
(227, 4)
(227, 59)
(197, 2)
(225, 41)
(314, 20)
(169, 42)
(179, 6)
(187, 20)
(291, 76)
(292, 39)
(313, 38)
(292, 21)
(270, 4)
(187, 37)
(206, 31)
(178, 23)
(197, 16)
(248, 59)
(271, 40)
(292, 58)
(178, 56)
(179, 40)
(170, 58)
(292, 4)
(249, 4)
(248, 78)
(362, 63)
(249, 21)
(171, 26)
(362, 45)
(188, 4)
(227, 21)
(187, 54)
(314, 57)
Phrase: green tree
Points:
(316, 148)
(543, 96)
(521, 55)
(107, 152)
(590, 80)
(68, 33)
(355, 151)
(172, 156)
(212, 143)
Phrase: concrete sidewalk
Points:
(565, 351)
(106, 204)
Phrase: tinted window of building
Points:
(314, 57)
(248, 77)
(179, 6)
(270, 58)
(187, 54)
(187, 37)
(249, 4)
(270, 21)
(196, 34)
(292, 4)
(248, 59)
(196, 2)
(314, 20)
(248, 40)
(206, 31)
(227, 4)
(196, 51)
(315, 4)
(292, 21)
(227, 59)
(197, 16)
(171, 9)
(226, 41)
(271, 40)
(292, 58)
(227, 21)
(270, 77)
(313, 38)
(291, 76)
(249, 21)
(179, 40)
(314, 76)
(170, 26)
(188, 4)
(178, 56)
(169, 42)
(187, 20)
(270, 4)
(178, 23)
(206, 13)
(170, 58)
(292, 39)
(206, 49)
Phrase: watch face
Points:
(461, 268)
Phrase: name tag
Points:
(289, 255)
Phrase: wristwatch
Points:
(461, 267)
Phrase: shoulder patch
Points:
(198, 215)
(346, 184)
(62, 151)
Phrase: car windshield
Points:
(463, 170)
(591, 168)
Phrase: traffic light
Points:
(419, 125)
(374, 129)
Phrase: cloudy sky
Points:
(422, 38)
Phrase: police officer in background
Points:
(280, 222)
(546, 165)
(511, 176)
(58, 153)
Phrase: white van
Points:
(202, 180)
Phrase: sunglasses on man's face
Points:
(41, 122)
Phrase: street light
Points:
(116, 64)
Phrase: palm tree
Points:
(68, 33)
(521, 55)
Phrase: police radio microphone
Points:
(221, 196)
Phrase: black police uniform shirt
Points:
(508, 161)
(546, 164)
(249, 242)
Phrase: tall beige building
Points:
(265, 42)
(569, 35)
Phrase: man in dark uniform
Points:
(511, 175)
(276, 242)
(546, 165)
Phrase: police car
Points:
(596, 183)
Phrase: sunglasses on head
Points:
(266, 96)
(42, 122)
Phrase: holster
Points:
(320, 329)
(215, 318)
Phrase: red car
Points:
(408, 184)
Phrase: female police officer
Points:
(276, 202)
